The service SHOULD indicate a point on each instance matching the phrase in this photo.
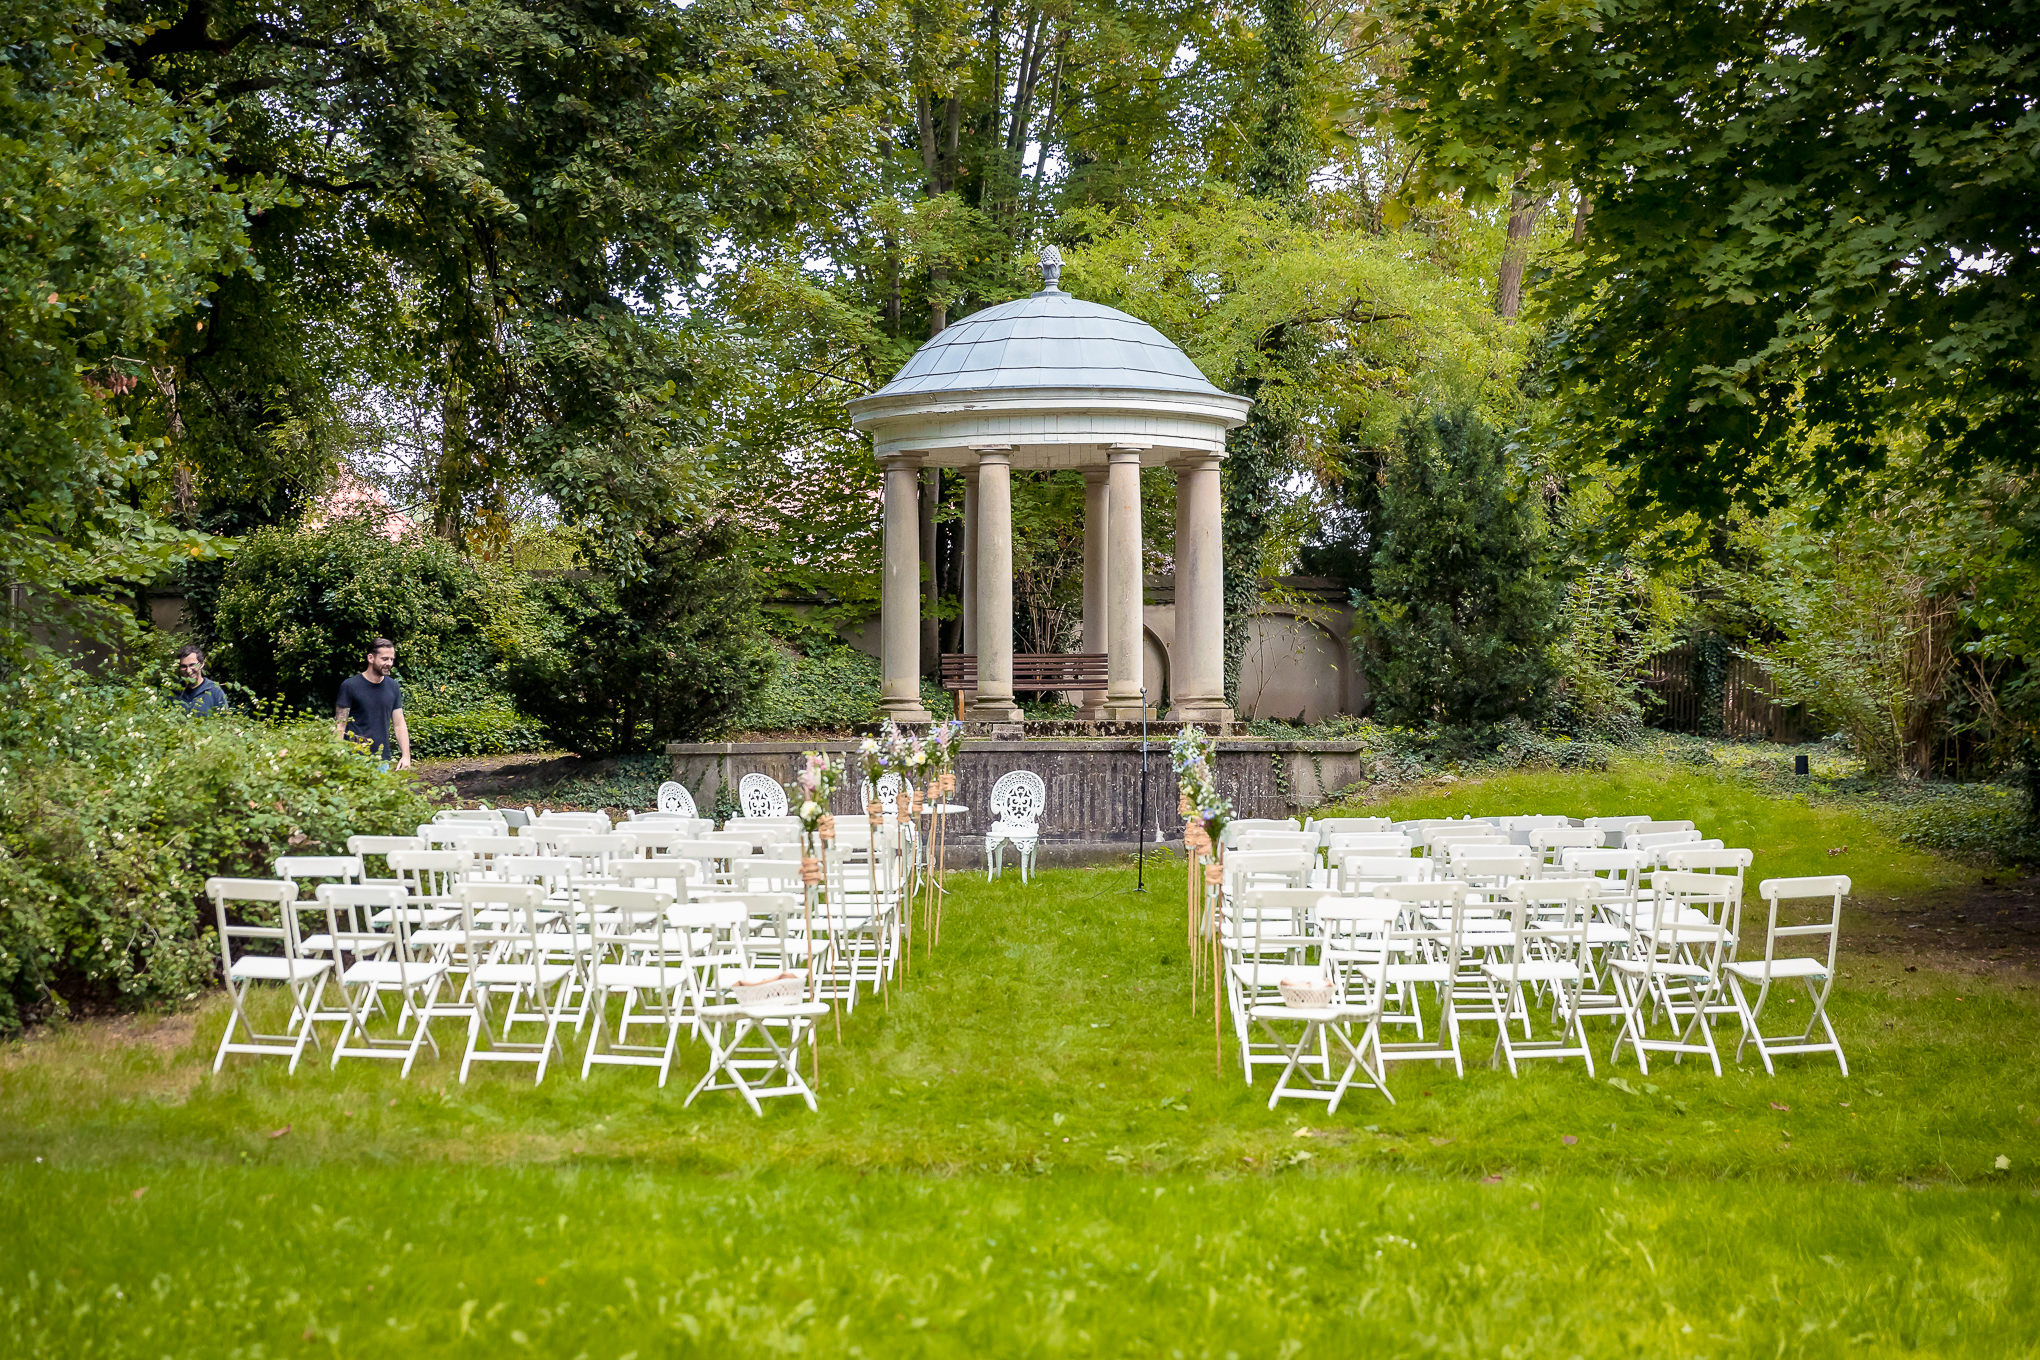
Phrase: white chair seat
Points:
(768, 1010)
(1683, 971)
(391, 973)
(519, 974)
(1399, 973)
(1779, 968)
(323, 944)
(641, 977)
(265, 968)
(1533, 970)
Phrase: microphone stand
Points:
(1140, 829)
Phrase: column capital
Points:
(1198, 462)
(1095, 476)
(1125, 453)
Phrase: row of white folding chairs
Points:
(859, 904)
(669, 966)
(1479, 950)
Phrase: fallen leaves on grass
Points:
(1776, 1106)
(2003, 1163)
(143, 1190)
(278, 1133)
(1567, 1139)
(1440, 1142)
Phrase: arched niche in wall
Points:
(1155, 669)
(1291, 667)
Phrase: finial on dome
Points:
(1051, 268)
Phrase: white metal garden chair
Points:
(509, 941)
(413, 978)
(1815, 974)
(673, 797)
(300, 974)
(1018, 799)
(760, 795)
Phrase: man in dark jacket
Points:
(199, 694)
(371, 706)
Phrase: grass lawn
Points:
(1030, 1154)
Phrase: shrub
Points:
(828, 688)
(671, 654)
(115, 806)
(1460, 618)
(298, 605)
(494, 728)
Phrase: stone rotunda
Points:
(1048, 382)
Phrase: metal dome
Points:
(1048, 339)
(1053, 381)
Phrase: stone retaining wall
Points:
(1093, 810)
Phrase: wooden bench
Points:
(1033, 672)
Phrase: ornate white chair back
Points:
(674, 797)
(1018, 798)
(760, 795)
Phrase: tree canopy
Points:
(1815, 227)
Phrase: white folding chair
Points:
(368, 848)
(1673, 968)
(593, 823)
(507, 938)
(300, 974)
(1340, 843)
(413, 979)
(1246, 870)
(596, 856)
(1240, 826)
(1548, 942)
(1249, 841)
(1328, 827)
(1424, 948)
(1438, 843)
(1267, 935)
(1358, 931)
(1815, 974)
(1549, 842)
(675, 876)
(634, 955)
(1359, 873)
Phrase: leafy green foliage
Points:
(115, 806)
(669, 655)
(1811, 229)
(1460, 619)
(1612, 619)
(114, 216)
(298, 606)
(492, 727)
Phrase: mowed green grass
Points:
(1031, 1153)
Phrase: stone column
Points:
(899, 604)
(994, 699)
(1126, 642)
(1198, 663)
(969, 554)
(931, 572)
(1097, 531)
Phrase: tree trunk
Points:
(1523, 214)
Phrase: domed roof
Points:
(1048, 339)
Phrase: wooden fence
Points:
(1747, 709)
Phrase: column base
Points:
(905, 710)
(1201, 711)
(991, 709)
(1123, 710)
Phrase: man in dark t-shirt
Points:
(371, 706)
(198, 694)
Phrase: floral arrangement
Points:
(944, 739)
(1192, 755)
(820, 775)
